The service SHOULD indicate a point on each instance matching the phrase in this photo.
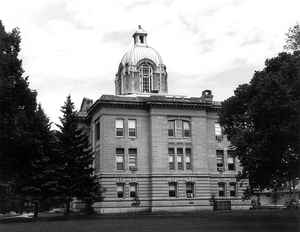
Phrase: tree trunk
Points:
(68, 202)
(35, 209)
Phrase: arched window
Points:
(146, 76)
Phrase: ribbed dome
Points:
(137, 53)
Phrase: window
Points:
(171, 153)
(141, 39)
(230, 160)
(120, 190)
(180, 158)
(120, 159)
(132, 152)
(133, 190)
(180, 162)
(186, 129)
(221, 187)
(188, 158)
(190, 190)
(146, 74)
(171, 128)
(132, 128)
(220, 160)
(232, 189)
(172, 189)
(178, 128)
(218, 131)
(97, 130)
(119, 127)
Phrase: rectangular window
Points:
(120, 190)
(171, 153)
(221, 188)
(172, 189)
(119, 127)
(231, 160)
(232, 189)
(180, 158)
(132, 152)
(220, 160)
(120, 159)
(133, 190)
(190, 190)
(188, 158)
(132, 128)
(179, 162)
(97, 130)
(178, 128)
(218, 132)
(171, 128)
(186, 129)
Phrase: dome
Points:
(137, 53)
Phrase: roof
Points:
(137, 53)
(152, 101)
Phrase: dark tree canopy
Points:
(27, 144)
(17, 109)
(262, 121)
(293, 38)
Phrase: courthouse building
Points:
(155, 151)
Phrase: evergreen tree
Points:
(76, 179)
(40, 184)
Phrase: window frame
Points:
(171, 154)
(146, 76)
(217, 127)
(135, 128)
(132, 168)
(116, 159)
(232, 185)
(120, 184)
(220, 168)
(231, 166)
(97, 130)
(116, 128)
(172, 129)
(192, 188)
(222, 190)
(135, 184)
(188, 165)
(184, 130)
(175, 189)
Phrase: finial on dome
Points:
(140, 36)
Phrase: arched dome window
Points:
(146, 73)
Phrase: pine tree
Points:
(40, 184)
(76, 179)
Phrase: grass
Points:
(253, 220)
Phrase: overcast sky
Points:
(74, 47)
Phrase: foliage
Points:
(26, 141)
(262, 121)
(293, 38)
(76, 173)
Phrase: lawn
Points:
(271, 220)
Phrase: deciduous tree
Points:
(262, 121)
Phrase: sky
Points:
(75, 47)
